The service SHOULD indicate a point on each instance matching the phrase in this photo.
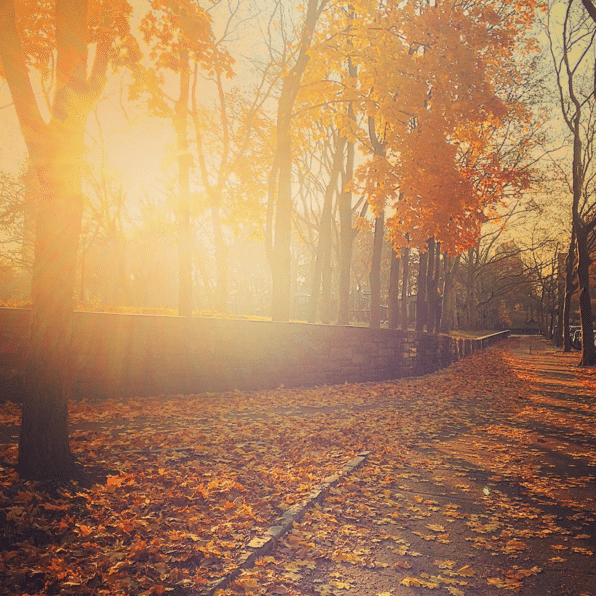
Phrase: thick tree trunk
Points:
(327, 285)
(405, 259)
(56, 150)
(44, 451)
(421, 306)
(375, 272)
(393, 305)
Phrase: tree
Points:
(29, 34)
(280, 177)
(182, 42)
(431, 78)
(573, 55)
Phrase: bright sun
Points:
(138, 153)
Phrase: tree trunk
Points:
(472, 318)
(405, 277)
(448, 311)
(431, 289)
(375, 272)
(393, 305)
(558, 334)
(421, 307)
(56, 150)
(438, 305)
(560, 286)
(346, 241)
(183, 212)
(323, 261)
(570, 287)
(347, 233)
(585, 303)
(280, 183)
(221, 261)
(44, 451)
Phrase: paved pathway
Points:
(500, 499)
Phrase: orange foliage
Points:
(432, 76)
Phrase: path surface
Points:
(498, 497)
(481, 482)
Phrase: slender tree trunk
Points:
(448, 314)
(221, 260)
(375, 272)
(431, 289)
(438, 299)
(405, 258)
(183, 213)
(393, 305)
(472, 314)
(346, 240)
(585, 303)
(558, 335)
(323, 260)
(421, 309)
(280, 182)
(215, 191)
(570, 287)
(583, 254)
(347, 233)
(560, 286)
(327, 282)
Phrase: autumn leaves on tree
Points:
(405, 103)
(423, 91)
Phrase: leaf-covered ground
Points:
(481, 482)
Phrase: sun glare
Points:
(138, 153)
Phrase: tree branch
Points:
(12, 61)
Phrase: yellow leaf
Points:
(455, 591)
(410, 582)
(465, 571)
(507, 584)
(339, 585)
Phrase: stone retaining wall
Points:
(125, 355)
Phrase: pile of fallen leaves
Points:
(190, 480)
